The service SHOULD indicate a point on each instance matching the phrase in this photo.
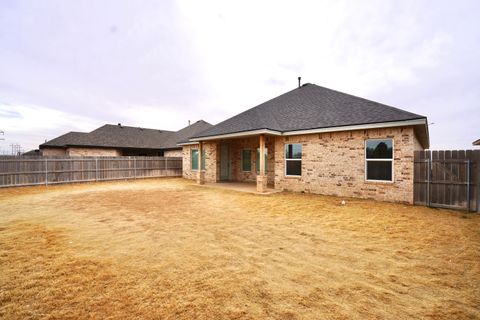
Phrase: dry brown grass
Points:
(170, 249)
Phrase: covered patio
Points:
(242, 162)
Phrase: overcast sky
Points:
(75, 65)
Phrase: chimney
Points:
(119, 124)
(188, 122)
(299, 79)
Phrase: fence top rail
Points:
(42, 159)
(444, 160)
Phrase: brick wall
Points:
(211, 163)
(251, 143)
(212, 173)
(334, 164)
(93, 152)
(173, 153)
(416, 144)
(54, 152)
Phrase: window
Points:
(246, 160)
(204, 159)
(293, 159)
(194, 159)
(379, 159)
(257, 163)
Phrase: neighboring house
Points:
(118, 140)
(476, 143)
(313, 139)
(33, 153)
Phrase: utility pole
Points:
(16, 149)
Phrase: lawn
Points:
(168, 249)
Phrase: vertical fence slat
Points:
(449, 179)
(23, 171)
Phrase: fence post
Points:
(46, 171)
(468, 185)
(135, 167)
(476, 159)
(166, 166)
(96, 169)
(429, 169)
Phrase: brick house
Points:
(117, 140)
(313, 139)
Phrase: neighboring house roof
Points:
(311, 107)
(476, 143)
(184, 134)
(34, 152)
(118, 136)
(70, 138)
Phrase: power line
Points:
(16, 149)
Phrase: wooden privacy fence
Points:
(20, 171)
(447, 179)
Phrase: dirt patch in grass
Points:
(166, 248)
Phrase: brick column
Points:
(262, 177)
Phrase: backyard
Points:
(169, 249)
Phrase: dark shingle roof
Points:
(34, 152)
(117, 136)
(127, 137)
(309, 107)
(476, 143)
(70, 138)
(184, 134)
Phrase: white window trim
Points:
(250, 160)
(289, 159)
(392, 160)
(191, 160)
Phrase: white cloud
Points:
(34, 124)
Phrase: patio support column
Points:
(262, 177)
(200, 172)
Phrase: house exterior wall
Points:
(93, 152)
(251, 143)
(173, 153)
(212, 162)
(334, 164)
(53, 152)
(417, 145)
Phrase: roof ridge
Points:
(254, 107)
(123, 126)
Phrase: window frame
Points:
(291, 159)
(243, 150)
(191, 159)
(392, 160)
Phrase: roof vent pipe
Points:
(119, 124)
(299, 79)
